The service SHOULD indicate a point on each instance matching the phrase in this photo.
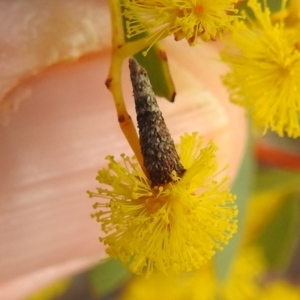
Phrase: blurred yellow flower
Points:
(245, 281)
(191, 286)
(242, 282)
(281, 289)
(187, 19)
(264, 58)
(172, 227)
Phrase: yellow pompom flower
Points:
(172, 227)
(185, 19)
(264, 58)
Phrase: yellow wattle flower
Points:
(185, 19)
(264, 58)
(170, 228)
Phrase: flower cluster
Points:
(172, 227)
(264, 57)
(187, 19)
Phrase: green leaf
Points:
(158, 71)
(276, 179)
(107, 276)
(273, 5)
(242, 187)
(278, 238)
